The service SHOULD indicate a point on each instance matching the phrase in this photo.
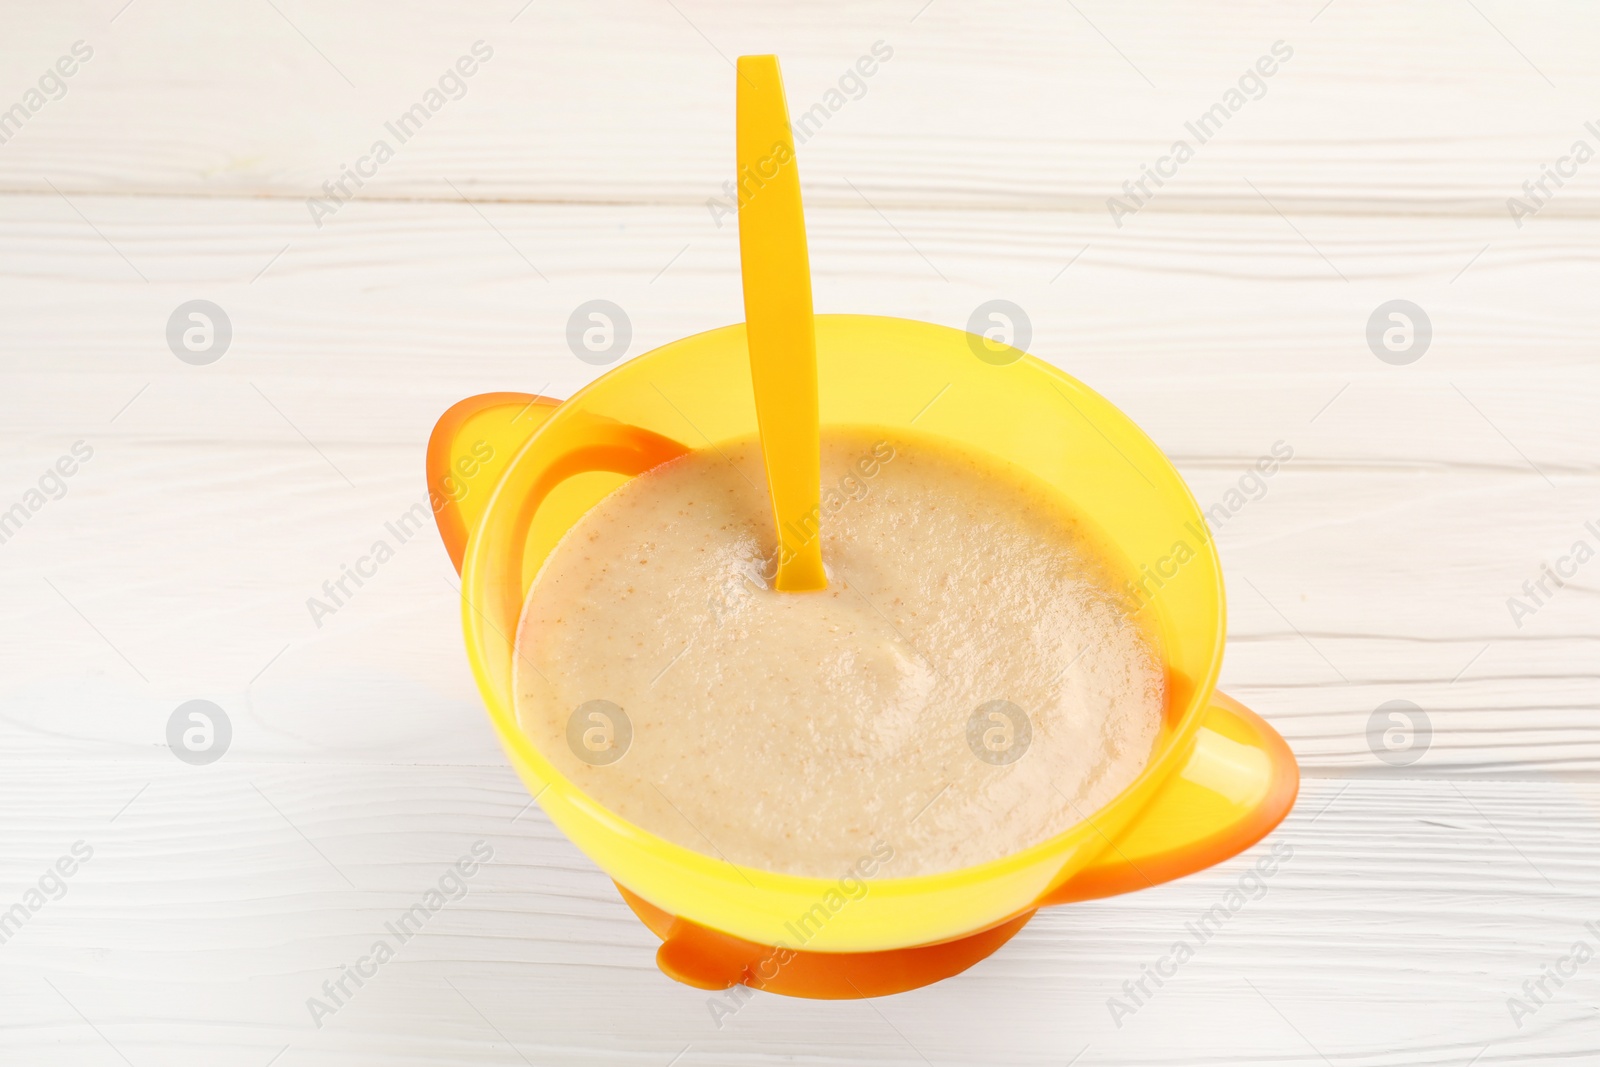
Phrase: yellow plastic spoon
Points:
(778, 324)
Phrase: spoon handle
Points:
(778, 325)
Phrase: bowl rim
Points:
(1173, 745)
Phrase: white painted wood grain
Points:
(1403, 907)
(1375, 567)
(1440, 107)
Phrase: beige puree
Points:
(967, 686)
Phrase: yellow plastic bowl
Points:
(1215, 797)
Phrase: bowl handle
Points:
(473, 444)
(1239, 783)
(468, 451)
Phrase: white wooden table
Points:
(1227, 314)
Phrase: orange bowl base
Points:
(709, 959)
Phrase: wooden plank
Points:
(1443, 108)
(1227, 314)
(195, 561)
(1377, 565)
(215, 904)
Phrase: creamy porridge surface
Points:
(967, 686)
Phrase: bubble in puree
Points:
(969, 684)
